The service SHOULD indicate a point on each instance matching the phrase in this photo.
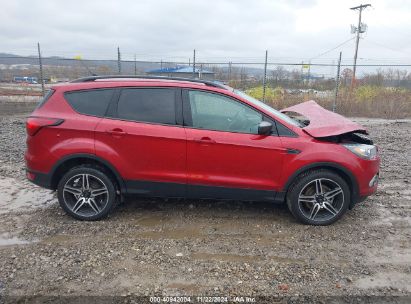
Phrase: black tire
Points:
(300, 193)
(97, 179)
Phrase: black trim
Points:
(179, 107)
(293, 151)
(155, 189)
(242, 194)
(61, 161)
(190, 191)
(41, 179)
(187, 119)
(112, 106)
(355, 193)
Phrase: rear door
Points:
(145, 141)
(226, 158)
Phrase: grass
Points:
(364, 101)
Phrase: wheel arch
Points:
(68, 162)
(346, 174)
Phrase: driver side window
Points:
(216, 112)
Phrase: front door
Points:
(226, 158)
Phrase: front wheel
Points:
(86, 193)
(319, 197)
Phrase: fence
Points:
(381, 90)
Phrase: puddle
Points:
(187, 287)
(227, 257)
(17, 195)
(151, 221)
(172, 234)
(6, 240)
(230, 257)
(386, 279)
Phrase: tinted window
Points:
(147, 105)
(93, 102)
(216, 112)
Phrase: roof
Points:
(181, 69)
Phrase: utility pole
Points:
(41, 70)
(265, 75)
(119, 60)
(194, 63)
(359, 30)
(337, 83)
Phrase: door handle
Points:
(204, 140)
(116, 132)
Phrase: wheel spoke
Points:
(330, 208)
(307, 198)
(314, 211)
(80, 202)
(97, 192)
(333, 193)
(85, 182)
(92, 203)
(75, 191)
(318, 186)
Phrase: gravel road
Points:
(177, 247)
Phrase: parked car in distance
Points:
(99, 139)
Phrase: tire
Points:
(318, 197)
(87, 193)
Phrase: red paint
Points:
(178, 154)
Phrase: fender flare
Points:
(348, 175)
(94, 157)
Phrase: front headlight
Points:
(363, 151)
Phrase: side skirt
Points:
(176, 190)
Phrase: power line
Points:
(334, 48)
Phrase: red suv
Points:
(98, 139)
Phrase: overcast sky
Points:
(236, 30)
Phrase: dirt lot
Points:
(176, 247)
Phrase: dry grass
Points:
(369, 102)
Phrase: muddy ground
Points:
(177, 247)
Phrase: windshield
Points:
(267, 108)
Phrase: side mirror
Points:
(265, 128)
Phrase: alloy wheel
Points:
(321, 199)
(85, 195)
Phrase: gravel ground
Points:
(177, 247)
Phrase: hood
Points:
(324, 123)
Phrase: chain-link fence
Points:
(379, 90)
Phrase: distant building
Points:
(25, 79)
(184, 72)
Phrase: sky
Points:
(236, 30)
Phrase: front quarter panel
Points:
(314, 152)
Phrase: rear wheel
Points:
(87, 193)
(319, 197)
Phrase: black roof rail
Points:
(93, 78)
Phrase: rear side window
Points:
(92, 102)
(155, 105)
